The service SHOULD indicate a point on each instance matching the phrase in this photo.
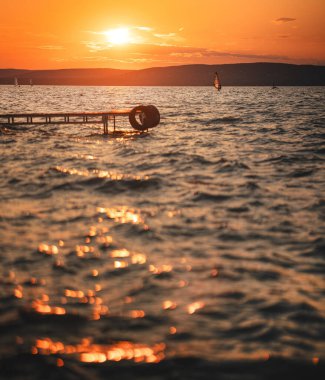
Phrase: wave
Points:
(262, 366)
(302, 173)
(210, 197)
(225, 119)
(105, 181)
(227, 166)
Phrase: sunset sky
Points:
(134, 34)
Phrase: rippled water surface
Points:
(203, 239)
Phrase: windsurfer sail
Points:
(15, 81)
(217, 83)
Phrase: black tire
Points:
(153, 116)
(149, 117)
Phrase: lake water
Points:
(197, 247)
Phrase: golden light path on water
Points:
(99, 174)
(98, 235)
(86, 351)
(89, 352)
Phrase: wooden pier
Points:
(65, 118)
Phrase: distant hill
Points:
(241, 74)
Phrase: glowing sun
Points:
(118, 36)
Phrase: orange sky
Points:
(41, 34)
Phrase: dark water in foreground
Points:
(191, 252)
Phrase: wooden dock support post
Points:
(105, 123)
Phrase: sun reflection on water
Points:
(136, 257)
(169, 305)
(48, 249)
(165, 268)
(43, 308)
(100, 174)
(78, 301)
(193, 307)
(120, 264)
(122, 214)
(88, 352)
(18, 291)
(137, 314)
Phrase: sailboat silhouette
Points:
(217, 83)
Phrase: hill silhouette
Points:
(241, 74)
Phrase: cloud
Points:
(144, 28)
(94, 46)
(168, 37)
(164, 53)
(282, 20)
(188, 52)
(106, 59)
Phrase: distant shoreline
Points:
(125, 85)
(241, 74)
